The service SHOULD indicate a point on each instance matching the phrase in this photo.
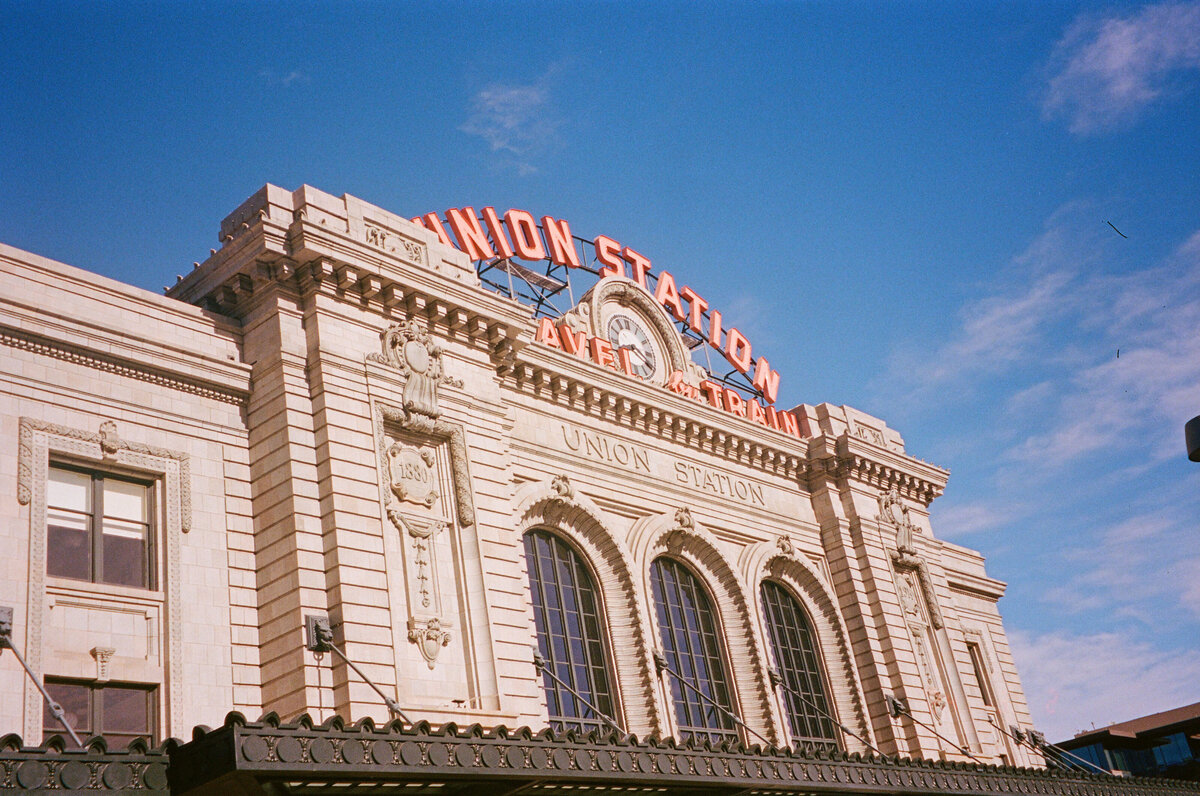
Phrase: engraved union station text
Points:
(719, 483)
(604, 449)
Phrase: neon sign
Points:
(487, 236)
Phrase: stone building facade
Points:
(331, 416)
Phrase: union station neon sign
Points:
(487, 236)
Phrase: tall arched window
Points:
(693, 649)
(799, 667)
(569, 633)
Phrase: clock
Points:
(645, 352)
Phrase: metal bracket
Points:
(6, 627)
(318, 635)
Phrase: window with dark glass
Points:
(985, 688)
(118, 712)
(692, 647)
(799, 666)
(570, 635)
(98, 528)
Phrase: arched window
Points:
(799, 667)
(693, 649)
(569, 633)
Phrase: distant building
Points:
(1163, 744)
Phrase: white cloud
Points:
(1142, 568)
(1107, 70)
(1074, 680)
(515, 121)
(286, 79)
(957, 520)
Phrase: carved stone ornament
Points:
(562, 487)
(683, 519)
(103, 656)
(786, 546)
(429, 637)
(408, 347)
(440, 429)
(412, 473)
(888, 502)
(110, 441)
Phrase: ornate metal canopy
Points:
(271, 757)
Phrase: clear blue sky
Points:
(906, 206)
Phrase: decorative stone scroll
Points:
(906, 556)
(408, 347)
(888, 502)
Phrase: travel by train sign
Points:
(487, 237)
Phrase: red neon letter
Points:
(573, 342)
(470, 235)
(666, 295)
(608, 252)
(737, 350)
(493, 225)
(626, 361)
(640, 265)
(562, 245)
(790, 426)
(754, 411)
(714, 329)
(712, 391)
(546, 334)
(525, 238)
(766, 379)
(696, 308)
(433, 222)
(602, 352)
(734, 402)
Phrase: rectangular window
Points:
(98, 528)
(980, 676)
(119, 712)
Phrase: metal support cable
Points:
(898, 708)
(660, 661)
(6, 643)
(1022, 738)
(539, 663)
(776, 679)
(319, 638)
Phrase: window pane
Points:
(796, 658)
(125, 552)
(980, 677)
(74, 701)
(68, 545)
(126, 710)
(126, 500)
(569, 633)
(692, 647)
(68, 489)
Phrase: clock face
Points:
(624, 331)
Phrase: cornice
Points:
(849, 457)
(569, 381)
(122, 366)
(393, 280)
